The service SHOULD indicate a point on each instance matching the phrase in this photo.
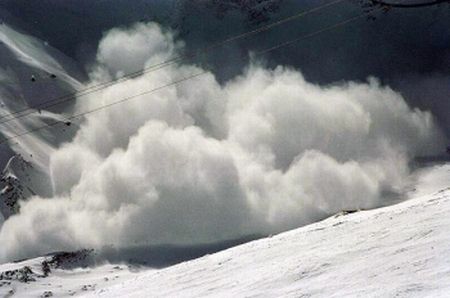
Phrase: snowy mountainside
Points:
(31, 74)
(396, 251)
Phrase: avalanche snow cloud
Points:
(201, 162)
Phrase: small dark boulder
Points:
(347, 211)
(47, 294)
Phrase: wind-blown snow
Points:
(202, 162)
(397, 251)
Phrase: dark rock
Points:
(24, 274)
(47, 294)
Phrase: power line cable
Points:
(98, 87)
(273, 48)
(289, 42)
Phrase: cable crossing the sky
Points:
(100, 86)
(179, 81)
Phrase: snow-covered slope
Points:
(23, 57)
(395, 251)
(59, 275)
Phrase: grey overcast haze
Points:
(209, 144)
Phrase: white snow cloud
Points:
(202, 162)
(125, 51)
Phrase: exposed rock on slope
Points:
(13, 184)
(19, 181)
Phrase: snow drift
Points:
(202, 162)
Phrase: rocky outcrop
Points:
(15, 184)
(24, 274)
(26, 271)
(68, 260)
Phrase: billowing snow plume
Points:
(201, 162)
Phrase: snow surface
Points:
(60, 282)
(396, 251)
(401, 251)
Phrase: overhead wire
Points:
(173, 83)
(100, 86)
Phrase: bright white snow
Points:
(60, 282)
(395, 251)
(401, 251)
